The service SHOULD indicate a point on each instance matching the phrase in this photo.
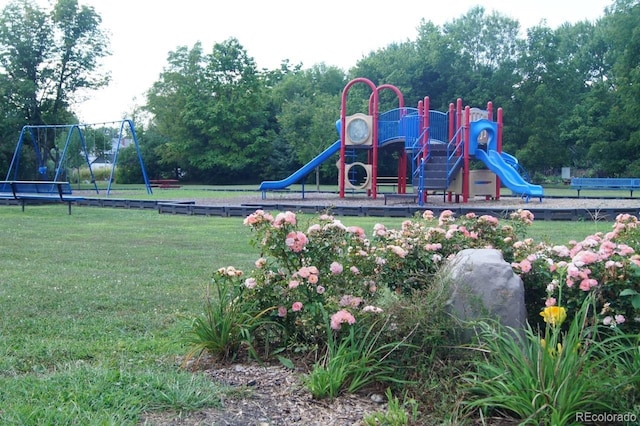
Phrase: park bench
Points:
(38, 192)
(629, 184)
(164, 183)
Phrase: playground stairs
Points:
(436, 168)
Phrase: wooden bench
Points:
(629, 184)
(38, 191)
(164, 183)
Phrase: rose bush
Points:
(604, 264)
(322, 288)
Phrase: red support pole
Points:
(458, 117)
(490, 111)
(459, 124)
(452, 120)
(427, 123)
(374, 162)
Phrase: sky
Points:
(334, 32)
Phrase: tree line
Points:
(570, 95)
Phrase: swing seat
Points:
(38, 192)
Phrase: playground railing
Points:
(38, 192)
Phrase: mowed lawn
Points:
(94, 305)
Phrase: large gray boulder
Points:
(483, 285)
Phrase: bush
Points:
(550, 380)
(604, 264)
(346, 303)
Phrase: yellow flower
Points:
(554, 315)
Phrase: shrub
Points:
(550, 380)
(355, 358)
(603, 264)
(228, 321)
(325, 265)
(351, 301)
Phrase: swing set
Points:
(74, 151)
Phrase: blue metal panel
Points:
(439, 125)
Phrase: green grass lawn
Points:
(94, 305)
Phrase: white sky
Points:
(336, 32)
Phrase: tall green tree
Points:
(309, 107)
(540, 103)
(47, 58)
(211, 109)
(486, 48)
(619, 156)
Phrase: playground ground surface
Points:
(437, 200)
(555, 197)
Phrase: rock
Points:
(377, 398)
(484, 286)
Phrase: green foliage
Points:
(396, 414)
(210, 108)
(228, 321)
(604, 263)
(569, 94)
(355, 361)
(550, 380)
(48, 57)
(93, 308)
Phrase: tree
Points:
(46, 60)
(540, 104)
(211, 110)
(309, 107)
(483, 52)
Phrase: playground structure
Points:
(438, 146)
(75, 142)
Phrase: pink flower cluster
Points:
(351, 301)
(286, 218)
(357, 231)
(613, 321)
(446, 216)
(488, 219)
(257, 217)
(525, 216)
(335, 268)
(309, 273)
(379, 230)
(397, 250)
(599, 260)
(427, 215)
(230, 271)
(341, 317)
(296, 241)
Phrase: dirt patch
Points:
(271, 396)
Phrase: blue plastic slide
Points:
(508, 175)
(303, 171)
